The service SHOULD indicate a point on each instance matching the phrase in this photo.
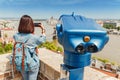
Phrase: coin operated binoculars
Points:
(79, 37)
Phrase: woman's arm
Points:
(42, 28)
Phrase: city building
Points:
(100, 22)
(52, 21)
(6, 34)
(118, 24)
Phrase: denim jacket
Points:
(30, 41)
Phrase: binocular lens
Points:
(80, 48)
(92, 48)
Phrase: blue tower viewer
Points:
(79, 37)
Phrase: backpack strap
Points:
(13, 59)
(23, 55)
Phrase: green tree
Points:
(118, 28)
(105, 61)
(5, 24)
(51, 46)
(5, 35)
(2, 50)
(109, 26)
(1, 44)
(59, 49)
(8, 47)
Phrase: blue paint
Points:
(77, 52)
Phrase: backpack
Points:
(22, 59)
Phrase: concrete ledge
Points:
(50, 58)
(52, 62)
(5, 69)
(49, 68)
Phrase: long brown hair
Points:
(26, 25)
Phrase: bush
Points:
(59, 49)
(8, 47)
(2, 50)
(51, 46)
(5, 48)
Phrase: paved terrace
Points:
(50, 68)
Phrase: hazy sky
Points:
(47, 8)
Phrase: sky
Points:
(42, 9)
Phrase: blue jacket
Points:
(30, 41)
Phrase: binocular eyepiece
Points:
(82, 48)
(92, 48)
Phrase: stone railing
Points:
(49, 68)
(5, 69)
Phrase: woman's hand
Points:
(42, 28)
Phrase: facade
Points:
(118, 24)
(6, 35)
(52, 21)
(100, 22)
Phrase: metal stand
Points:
(71, 73)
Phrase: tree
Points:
(109, 26)
(8, 47)
(51, 46)
(59, 49)
(118, 28)
(2, 50)
(5, 35)
(5, 24)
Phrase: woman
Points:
(26, 32)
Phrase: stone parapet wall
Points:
(6, 70)
(49, 68)
(49, 64)
(48, 73)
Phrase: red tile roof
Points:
(7, 28)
